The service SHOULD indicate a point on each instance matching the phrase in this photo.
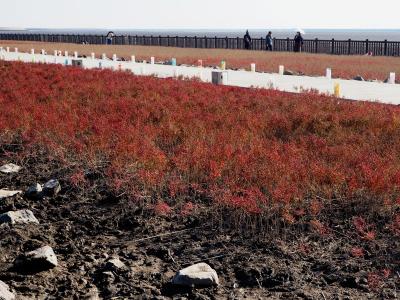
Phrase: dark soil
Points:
(87, 225)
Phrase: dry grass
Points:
(309, 64)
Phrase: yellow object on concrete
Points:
(223, 65)
(336, 89)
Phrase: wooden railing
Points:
(341, 47)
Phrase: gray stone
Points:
(6, 193)
(10, 168)
(115, 264)
(34, 191)
(5, 293)
(197, 275)
(359, 78)
(51, 187)
(289, 72)
(24, 216)
(38, 260)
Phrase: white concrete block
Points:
(253, 67)
(76, 54)
(281, 70)
(392, 78)
(93, 56)
(66, 53)
(328, 73)
(152, 60)
(32, 51)
(55, 53)
(133, 58)
(8, 49)
(114, 58)
(103, 56)
(16, 50)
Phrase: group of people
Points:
(298, 41)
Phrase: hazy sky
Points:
(224, 14)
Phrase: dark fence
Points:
(344, 47)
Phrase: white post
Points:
(32, 51)
(133, 58)
(8, 49)
(329, 73)
(114, 57)
(145, 62)
(253, 67)
(93, 55)
(392, 78)
(55, 53)
(66, 53)
(103, 56)
(16, 50)
(42, 52)
(76, 54)
(152, 60)
(281, 70)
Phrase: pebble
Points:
(6, 193)
(5, 293)
(10, 168)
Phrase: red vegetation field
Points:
(180, 142)
(346, 67)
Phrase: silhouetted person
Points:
(109, 37)
(298, 42)
(270, 42)
(247, 40)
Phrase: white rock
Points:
(24, 216)
(5, 293)
(6, 193)
(34, 191)
(115, 264)
(10, 168)
(196, 275)
(38, 260)
(52, 187)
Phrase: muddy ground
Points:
(86, 226)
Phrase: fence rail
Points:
(340, 47)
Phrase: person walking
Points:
(110, 37)
(269, 41)
(247, 40)
(298, 42)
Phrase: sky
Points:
(201, 14)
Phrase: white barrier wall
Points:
(349, 89)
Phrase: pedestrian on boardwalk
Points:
(109, 37)
(270, 42)
(298, 42)
(247, 40)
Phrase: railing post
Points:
(195, 41)
(168, 40)
(215, 42)
(237, 43)
(316, 45)
(159, 40)
(288, 44)
(333, 46)
(385, 50)
(226, 43)
(367, 46)
(185, 42)
(349, 47)
(205, 42)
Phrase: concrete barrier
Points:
(348, 89)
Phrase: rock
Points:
(196, 275)
(38, 260)
(6, 193)
(289, 73)
(92, 294)
(359, 78)
(24, 216)
(51, 187)
(5, 293)
(34, 191)
(10, 168)
(115, 264)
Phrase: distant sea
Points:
(338, 34)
